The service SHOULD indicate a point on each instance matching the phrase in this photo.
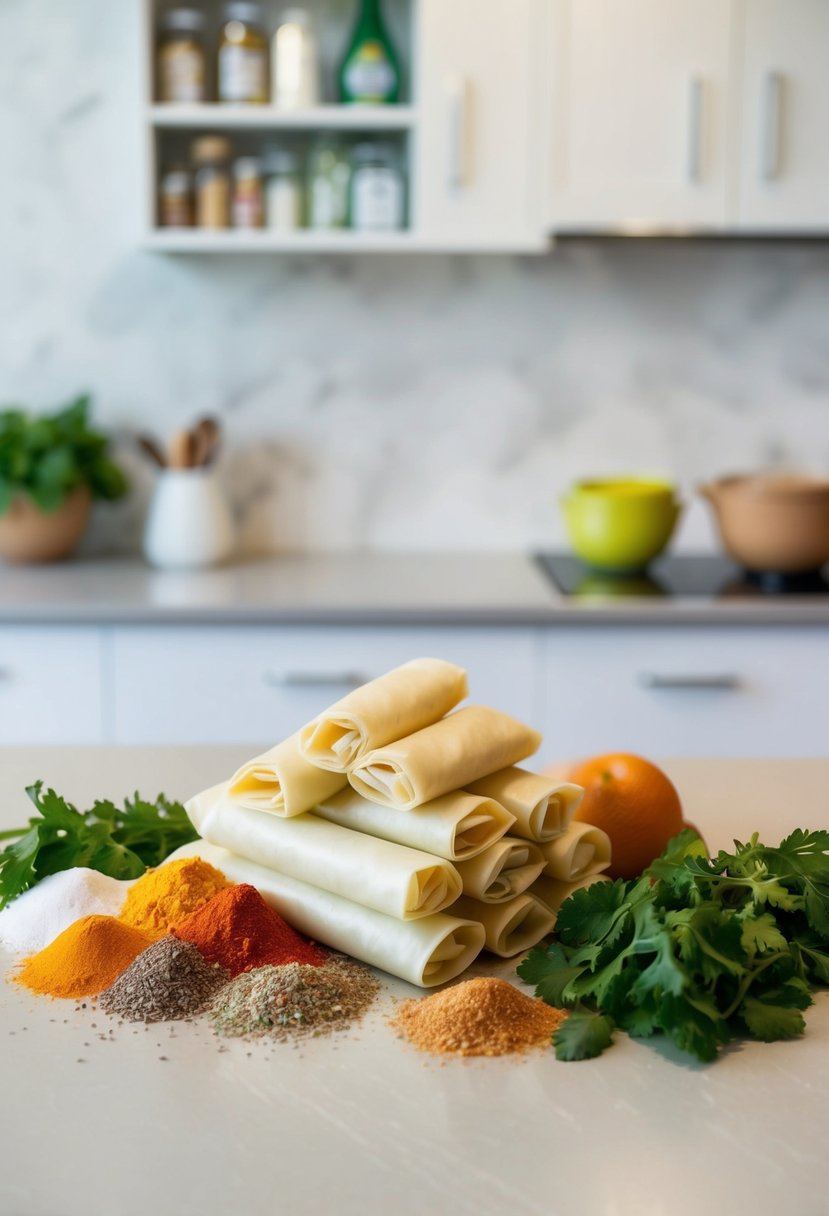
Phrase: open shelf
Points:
(220, 116)
(303, 240)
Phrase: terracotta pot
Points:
(28, 534)
(775, 524)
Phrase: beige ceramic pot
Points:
(773, 523)
(28, 534)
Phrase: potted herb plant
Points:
(51, 468)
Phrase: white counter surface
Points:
(362, 1124)
(354, 588)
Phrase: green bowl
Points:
(620, 525)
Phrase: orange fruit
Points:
(634, 802)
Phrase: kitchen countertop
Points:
(353, 589)
(163, 1120)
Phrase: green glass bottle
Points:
(370, 71)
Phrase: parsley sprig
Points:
(698, 949)
(121, 842)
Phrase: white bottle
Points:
(295, 62)
(283, 191)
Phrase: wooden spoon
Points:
(182, 450)
(152, 449)
(210, 433)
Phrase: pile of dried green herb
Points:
(295, 1000)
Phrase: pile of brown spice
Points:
(480, 1017)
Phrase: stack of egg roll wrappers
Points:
(398, 828)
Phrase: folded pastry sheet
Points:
(447, 756)
(553, 893)
(543, 806)
(502, 871)
(509, 928)
(581, 851)
(456, 826)
(391, 878)
(394, 705)
(283, 782)
(425, 952)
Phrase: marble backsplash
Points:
(381, 402)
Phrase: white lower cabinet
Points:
(50, 685)
(678, 691)
(224, 684)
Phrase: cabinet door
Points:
(479, 171)
(679, 691)
(640, 114)
(784, 151)
(218, 684)
(50, 685)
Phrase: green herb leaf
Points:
(121, 843)
(581, 1036)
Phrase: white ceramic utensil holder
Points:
(188, 524)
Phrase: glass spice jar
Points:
(283, 190)
(243, 55)
(181, 64)
(211, 156)
(175, 200)
(248, 202)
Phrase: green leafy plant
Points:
(49, 456)
(696, 949)
(119, 842)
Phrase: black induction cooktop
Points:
(678, 576)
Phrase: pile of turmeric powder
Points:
(164, 897)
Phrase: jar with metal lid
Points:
(211, 156)
(182, 61)
(378, 196)
(243, 54)
(283, 190)
(248, 205)
(175, 198)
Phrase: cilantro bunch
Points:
(120, 842)
(696, 949)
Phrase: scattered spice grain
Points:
(295, 1001)
(238, 930)
(169, 894)
(479, 1017)
(169, 980)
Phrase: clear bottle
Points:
(211, 156)
(329, 174)
(243, 55)
(295, 62)
(175, 198)
(370, 71)
(181, 63)
(378, 193)
(283, 190)
(248, 200)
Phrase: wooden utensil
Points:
(209, 432)
(182, 450)
(152, 449)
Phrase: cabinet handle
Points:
(314, 679)
(459, 98)
(724, 681)
(696, 111)
(770, 144)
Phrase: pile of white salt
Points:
(36, 917)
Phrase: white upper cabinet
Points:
(479, 159)
(640, 114)
(784, 153)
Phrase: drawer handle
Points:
(314, 679)
(723, 681)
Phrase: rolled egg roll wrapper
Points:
(456, 826)
(394, 705)
(504, 870)
(446, 756)
(282, 782)
(543, 806)
(581, 851)
(391, 878)
(553, 893)
(425, 952)
(509, 928)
